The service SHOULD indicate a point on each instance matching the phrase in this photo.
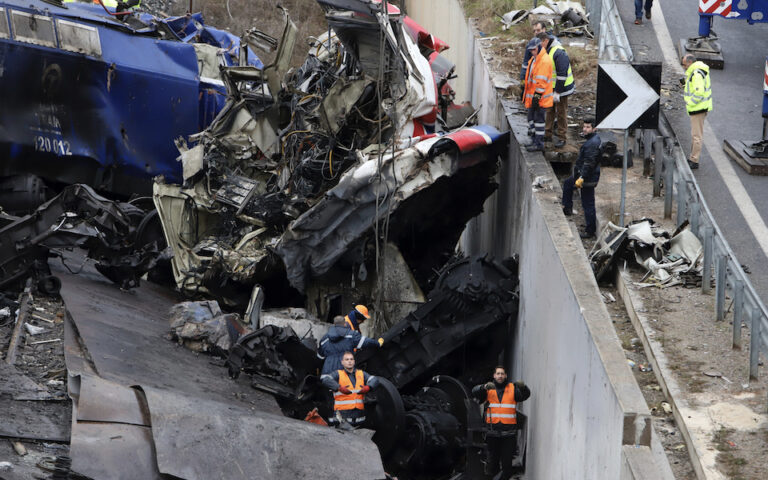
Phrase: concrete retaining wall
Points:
(588, 418)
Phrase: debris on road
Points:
(668, 260)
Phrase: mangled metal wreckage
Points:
(95, 96)
(349, 179)
(307, 185)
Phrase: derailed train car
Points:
(91, 95)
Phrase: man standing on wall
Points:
(538, 27)
(501, 398)
(539, 91)
(698, 102)
(586, 174)
(564, 86)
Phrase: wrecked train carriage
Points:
(92, 96)
(263, 199)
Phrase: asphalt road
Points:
(737, 97)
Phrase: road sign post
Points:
(627, 97)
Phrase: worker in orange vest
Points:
(539, 90)
(349, 387)
(501, 398)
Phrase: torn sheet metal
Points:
(77, 217)
(317, 239)
(277, 359)
(474, 300)
(221, 440)
(686, 245)
(299, 320)
(643, 244)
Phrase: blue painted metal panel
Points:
(108, 121)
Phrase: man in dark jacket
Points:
(339, 339)
(501, 398)
(586, 174)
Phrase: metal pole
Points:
(722, 260)
(647, 142)
(738, 312)
(754, 343)
(624, 178)
(695, 213)
(669, 178)
(658, 163)
(706, 272)
(682, 193)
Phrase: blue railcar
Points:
(88, 97)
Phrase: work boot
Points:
(638, 21)
(531, 132)
(567, 211)
(586, 235)
(559, 143)
(648, 14)
(534, 147)
(547, 138)
(693, 165)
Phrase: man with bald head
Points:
(698, 102)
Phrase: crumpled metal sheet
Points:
(364, 195)
(686, 245)
(201, 439)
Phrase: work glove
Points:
(682, 81)
(365, 389)
(579, 182)
(381, 342)
(535, 101)
(557, 97)
(344, 390)
(489, 386)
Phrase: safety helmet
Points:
(362, 310)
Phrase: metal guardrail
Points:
(730, 278)
(613, 42)
(679, 183)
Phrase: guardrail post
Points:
(706, 272)
(722, 261)
(658, 163)
(738, 312)
(695, 211)
(647, 142)
(669, 178)
(682, 193)
(754, 343)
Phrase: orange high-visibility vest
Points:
(504, 411)
(342, 401)
(540, 78)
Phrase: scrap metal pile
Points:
(306, 177)
(667, 259)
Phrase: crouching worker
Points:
(501, 398)
(349, 386)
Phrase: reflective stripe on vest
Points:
(569, 76)
(693, 101)
(343, 401)
(504, 411)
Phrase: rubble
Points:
(347, 180)
(667, 259)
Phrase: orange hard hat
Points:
(362, 309)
